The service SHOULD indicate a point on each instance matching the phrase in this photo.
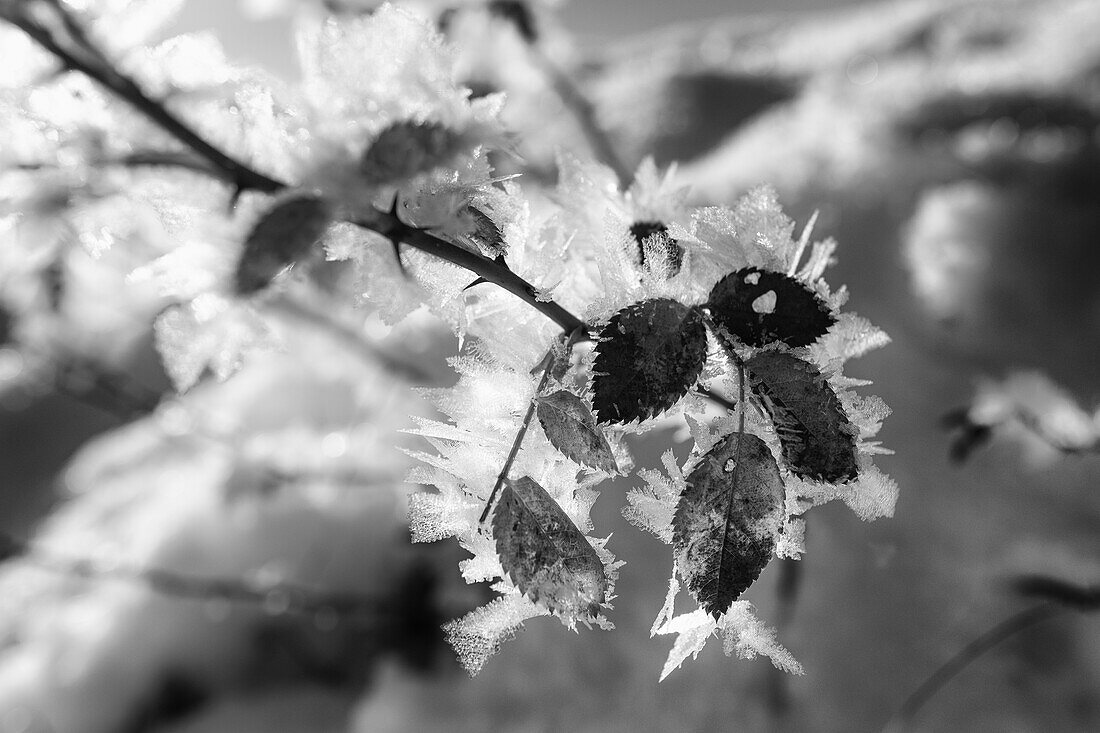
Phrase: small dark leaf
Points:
(53, 282)
(519, 14)
(282, 237)
(969, 435)
(571, 428)
(545, 554)
(7, 325)
(818, 441)
(657, 233)
(649, 354)
(486, 235)
(407, 148)
(761, 307)
(727, 521)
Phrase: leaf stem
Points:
(514, 451)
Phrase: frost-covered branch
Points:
(485, 268)
(79, 53)
(87, 59)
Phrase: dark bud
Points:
(655, 231)
(407, 148)
(282, 237)
(968, 435)
(519, 14)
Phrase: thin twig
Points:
(514, 451)
(1014, 624)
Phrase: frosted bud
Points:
(282, 236)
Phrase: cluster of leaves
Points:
(732, 509)
(398, 185)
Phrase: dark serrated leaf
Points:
(657, 234)
(485, 235)
(282, 237)
(648, 356)
(544, 553)
(407, 148)
(571, 428)
(762, 307)
(727, 520)
(818, 441)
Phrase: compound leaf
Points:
(761, 307)
(545, 554)
(727, 520)
(649, 354)
(571, 428)
(818, 441)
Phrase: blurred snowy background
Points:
(953, 149)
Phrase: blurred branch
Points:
(1058, 596)
(1014, 624)
(585, 113)
(969, 435)
(112, 392)
(1071, 595)
(137, 159)
(53, 26)
(353, 339)
(790, 582)
(282, 597)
